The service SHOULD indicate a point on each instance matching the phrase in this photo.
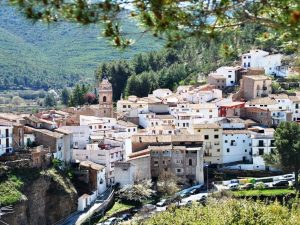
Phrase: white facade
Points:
(262, 143)
(262, 59)
(81, 135)
(229, 73)
(101, 181)
(198, 97)
(236, 146)
(125, 173)
(105, 155)
(6, 139)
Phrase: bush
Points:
(228, 212)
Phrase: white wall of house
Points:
(261, 144)
(81, 135)
(125, 175)
(101, 181)
(295, 108)
(262, 59)
(6, 139)
(228, 73)
(236, 147)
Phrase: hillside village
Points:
(181, 132)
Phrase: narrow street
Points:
(80, 217)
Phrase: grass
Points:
(10, 190)
(117, 208)
(264, 192)
(11, 185)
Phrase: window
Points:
(229, 76)
(111, 156)
(243, 141)
(261, 143)
(216, 130)
(104, 98)
(206, 137)
(216, 136)
(124, 106)
(260, 151)
(218, 150)
(245, 65)
(190, 162)
(155, 163)
(226, 141)
(178, 170)
(248, 64)
(245, 150)
(228, 150)
(86, 157)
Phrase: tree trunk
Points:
(296, 179)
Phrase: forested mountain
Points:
(183, 63)
(60, 54)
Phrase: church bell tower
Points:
(105, 98)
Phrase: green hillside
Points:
(38, 55)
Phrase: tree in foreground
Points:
(287, 152)
(173, 20)
(167, 183)
(228, 212)
(139, 191)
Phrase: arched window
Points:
(104, 98)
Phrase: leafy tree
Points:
(228, 212)
(50, 100)
(65, 96)
(89, 98)
(175, 20)
(287, 153)
(167, 183)
(138, 192)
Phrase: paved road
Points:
(79, 217)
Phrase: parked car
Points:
(110, 221)
(289, 177)
(233, 187)
(161, 203)
(124, 217)
(281, 183)
(248, 186)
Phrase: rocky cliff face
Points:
(46, 200)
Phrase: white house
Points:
(261, 59)
(295, 108)
(6, 138)
(262, 141)
(106, 154)
(236, 146)
(230, 73)
(125, 173)
(81, 135)
(198, 97)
